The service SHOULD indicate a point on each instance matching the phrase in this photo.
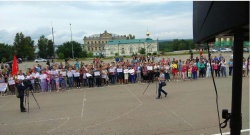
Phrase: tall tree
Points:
(50, 49)
(23, 46)
(66, 49)
(42, 46)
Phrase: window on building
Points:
(139, 48)
(91, 42)
(131, 50)
(106, 41)
(88, 42)
(88, 48)
(103, 42)
(95, 48)
(123, 51)
(92, 49)
(99, 48)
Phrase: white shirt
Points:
(76, 74)
(69, 74)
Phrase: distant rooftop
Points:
(129, 41)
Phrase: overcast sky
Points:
(163, 19)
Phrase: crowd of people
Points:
(139, 69)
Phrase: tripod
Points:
(27, 95)
(148, 85)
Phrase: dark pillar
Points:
(236, 118)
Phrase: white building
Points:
(130, 46)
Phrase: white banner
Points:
(119, 70)
(149, 68)
(3, 87)
(97, 73)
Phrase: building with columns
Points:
(130, 46)
(221, 41)
(96, 43)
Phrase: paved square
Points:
(189, 108)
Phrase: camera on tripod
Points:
(27, 83)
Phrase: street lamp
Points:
(71, 43)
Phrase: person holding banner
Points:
(125, 74)
(120, 74)
(112, 74)
(97, 74)
(105, 77)
(70, 77)
(89, 75)
(4, 88)
(77, 78)
(11, 83)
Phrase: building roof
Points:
(129, 41)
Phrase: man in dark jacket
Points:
(21, 88)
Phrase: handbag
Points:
(163, 83)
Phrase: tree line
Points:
(176, 45)
(23, 47)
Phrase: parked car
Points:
(213, 50)
(246, 49)
(224, 50)
(40, 60)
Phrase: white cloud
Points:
(163, 19)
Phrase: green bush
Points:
(90, 54)
(149, 53)
(155, 53)
(116, 54)
(3, 60)
(61, 56)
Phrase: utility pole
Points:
(71, 42)
(53, 39)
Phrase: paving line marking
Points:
(83, 103)
(6, 103)
(173, 112)
(59, 126)
(228, 133)
(51, 119)
(117, 117)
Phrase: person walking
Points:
(161, 79)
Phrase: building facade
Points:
(96, 43)
(130, 46)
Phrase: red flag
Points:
(14, 66)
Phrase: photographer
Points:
(20, 88)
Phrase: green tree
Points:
(90, 54)
(42, 46)
(143, 51)
(130, 36)
(6, 51)
(175, 44)
(50, 49)
(84, 53)
(23, 46)
(66, 49)
(61, 55)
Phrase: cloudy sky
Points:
(163, 19)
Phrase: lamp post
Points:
(71, 43)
